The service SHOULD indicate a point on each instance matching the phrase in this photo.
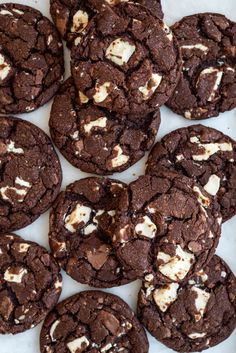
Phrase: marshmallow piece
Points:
(120, 159)
(196, 335)
(81, 214)
(5, 68)
(120, 51)
(83, 98)
(176, 267)
(100, 122)
(147, 228)
(106, 348)
(5, 13)
(165, 296)
(18, 11)
(89, 229)
(211, 149)
(101, 92)
(80, 344)
(198, 46)
(219, 75)
(20, 192)
(80, 21)
(22, 182)
(52, 330)
(14, 277)
(213, 185)
(150, 87)
(23, 247)
(203, 200)
(201, 301)
(11, 148)
(168, 32)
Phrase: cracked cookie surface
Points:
(30, 173)
(31, 59)
(168, 223)
(93, 322)
(96, 140)
(194, 316)
(207, 85)
(128, 60)
(80, 225)
(71, 17)
(30, 284)
(204, 154)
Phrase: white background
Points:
(174, 10)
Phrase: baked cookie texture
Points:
(96, 140)
(204, 154)
(30, 284)
(94, 322)
(207, 85)
(128, 61)
(30, 173)
(191, 317)
(31, 59)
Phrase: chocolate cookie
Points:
(81, 224)
(31, 59)
(30, 173)
(93, 322)
(128, 60)
(96, 140)
(30, 284)
(71, 17)
(194, 316)
(204, 154)
(168, 223)
(208, 82)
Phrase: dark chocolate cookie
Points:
(31, 59)
(204, 154)
(168, 223)
(81, 224)
(96, 140)
(30, 284)
(71, 17)
(208, 82)
(194, 316)
(93, 322)
(30, 173)
(128, 60)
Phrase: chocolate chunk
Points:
(194, 316)
(168, 223)
(81, 225)
(30, 284)
(93, 321)
(30, 173)
(207, 85)
(96, 140)
(128, 61)
(204, 154)
(31, 59)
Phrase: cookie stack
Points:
(162, 228)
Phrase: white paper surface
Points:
(174, 10)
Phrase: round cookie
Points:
(72, 17)
(96, 140)
(207, 85)
(31, 59)
(30, 173)
(30, 284)
(93, 322)
(205, 155)
(194, 316)
(81, 224)
(166, 223)
(128, 60)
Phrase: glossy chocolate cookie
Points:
(30, 173)
(71, 17)
(128, 60)
(93, 322)
(30, 284)
(96, 140)
(81, 224)
(168, 223)
(207, 85)
(194, 316)
(31, 59)
(203, 154)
